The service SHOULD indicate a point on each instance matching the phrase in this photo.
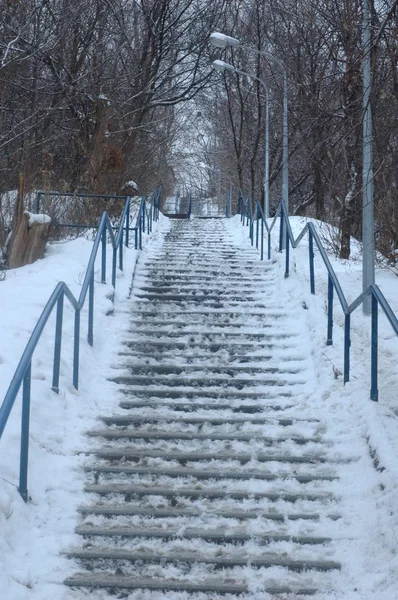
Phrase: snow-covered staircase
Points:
(211, 478)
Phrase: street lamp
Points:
(368, 263)
(221, 66)
(231, 185)
(220, 40)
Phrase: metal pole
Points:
(266, 170)
(285, 159)
(368, 266)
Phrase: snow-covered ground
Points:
(33, 535)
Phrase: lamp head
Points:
(220, 65)
(219, 40)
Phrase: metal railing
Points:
(22, 377)
(142, 215)
(250, 218)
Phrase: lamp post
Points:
(221, 66)
(220, 40)
(231, 185)
(368, 264)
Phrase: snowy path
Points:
(217, 475)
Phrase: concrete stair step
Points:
(211, 314)
(136, 454)
(207, 370)
(200, 393)
(134, 419)
(212, 585)
(237, 343)
(183, 298)
(235, 560)
(133, 490)
(256, 359)
(158, 325)
(191, 407)
(208, 382)
(170, 512)
(231, 536)
(201, 474)
(111, 434)
(211, 334)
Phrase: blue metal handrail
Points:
(22, 375)
(378, 298)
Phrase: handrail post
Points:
(269, 245)
(311, 257)
(121, 254)
(127, 233)
(347, 344)
(257, 227)
(329, 341)
(114, 259)
(76, 350)
(281, 231)
(140, 232)
(58, 340)
(90, 335)
(262, 239)
(374, 392)
(135, 238)
(103, 256)
(23, 464)
(143, 212)
(38, 197)
(287, 259)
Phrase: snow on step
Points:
(211, 479)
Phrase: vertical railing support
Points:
(269, 245)
(127, 232)
(347, 344)
(262, 239)
(135, 238)
(114, 259)
(257, 227)
(57, 345)
(90, 335)
(281, 232)
(143, 212)
(38, 198)
(311, 257)
(76, 350)
(103, 257)
(374, 392)
(23, 463)
(329, 341)
(121, 254)
(287, 258)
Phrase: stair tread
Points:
(229, 560)
(181, 435)
(128, 509)
(158, 490)
(209, 585)
(192, 533)
(248, 474)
